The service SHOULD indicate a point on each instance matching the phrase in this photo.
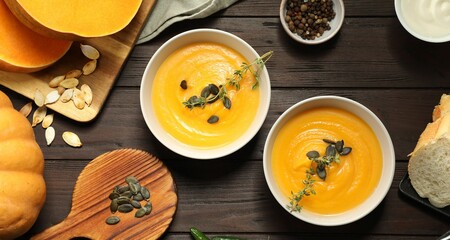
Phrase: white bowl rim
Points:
(319, 40)
(359, 211)
(405, 25)
(198, 153)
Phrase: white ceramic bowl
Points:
(387, 153)
(416, 30)
(335, 24)
(193, 36)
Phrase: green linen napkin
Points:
(167, 12)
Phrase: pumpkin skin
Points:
(22, 185)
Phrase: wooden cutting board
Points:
(114, 50)
(90, 202)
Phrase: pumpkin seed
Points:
(213, 119)
(145, 193)
(39, 98)
(112, 220)
(39, 115)
(135, 188)
(183, 84)
(26, 109)
(76, 73)
(227, 102)
(127, 194)
(131, 179)
(123, 189)
(72, 139)
(313, 154)
(113, 195)
(60, 90)
(78, 98)
(113, 206)
(140, 212)
(48, 120)
(346, 151)
(123, 200)
(135, 204)
(67, 95)
(329, 141)
(321, 172)
(56, 80)
(52, 97)
(214, 89)
(90, 67)
(49, 135)
(205, 92)
(339, 146)
(330, 151)
(138, 197)
(125, 208)
(148, 208)
(87, 92)
(89, 51)
(69, 83)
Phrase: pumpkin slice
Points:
(23, 50)
(75, 19)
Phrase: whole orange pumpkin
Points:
(22, 186)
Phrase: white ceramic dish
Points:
(414, 30)
(335, 24)
(387, 152)
(201, 35)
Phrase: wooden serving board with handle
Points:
(90, 202)
(114, 50)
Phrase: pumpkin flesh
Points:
(75, 19)
(23, 50)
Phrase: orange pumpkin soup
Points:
(201, 64)
(349, 182)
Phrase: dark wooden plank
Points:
(256, 8)
(231, 195)
(368, 52)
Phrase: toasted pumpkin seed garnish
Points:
(89, 51)
(78, 98)
(72, 139)
(87, 92)
(183, 84)
(26, 109)
(213, 119)
(67, 95)
(49, 135)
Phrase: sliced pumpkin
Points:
(23, 50)
(75, 19)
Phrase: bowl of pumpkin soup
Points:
(205, 93)
(329, 160)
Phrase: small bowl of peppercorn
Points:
(312, 21)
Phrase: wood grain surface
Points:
(114, 50)
(91, 205)
(372, 60)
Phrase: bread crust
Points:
(429, 165)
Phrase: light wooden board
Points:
(90, 202)
(114, 50)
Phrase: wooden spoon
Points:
(90, 202)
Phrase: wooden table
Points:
(373, 60)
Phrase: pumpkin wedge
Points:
(75, 19)
(23, 50)
(22, 185)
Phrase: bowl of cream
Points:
(427, 20)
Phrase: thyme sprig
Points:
(212, 93)
(332, 155)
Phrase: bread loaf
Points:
(429, 163)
